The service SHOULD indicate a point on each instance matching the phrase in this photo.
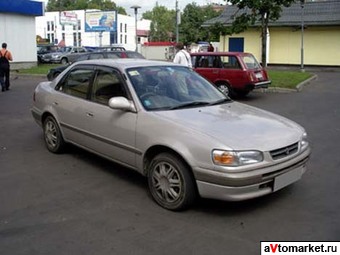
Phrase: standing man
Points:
(182, 56)
(5, 57)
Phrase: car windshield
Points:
(173, 87)
(251, 62)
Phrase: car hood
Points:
(236, 126)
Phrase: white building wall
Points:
(18, 32)
(125, 31)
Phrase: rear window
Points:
(251, 62)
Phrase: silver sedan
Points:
(172, 126)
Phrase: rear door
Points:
(70, 103)
(232, 71)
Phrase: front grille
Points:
(284, 152)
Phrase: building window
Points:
(125, 28)
(79, 39)
(63, 27)
(121, 27)
(63, 36)
(48, 26)
(121, 39)
(125, 39)
(79, 25)
(49, 37)
(74, 39)
(52, 25)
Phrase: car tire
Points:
(171, 184)
(64, 61)
(242, 93)
(53, 138)
(225, 88)
(55, 75)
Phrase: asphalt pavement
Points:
(78, 203)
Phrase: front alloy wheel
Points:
(53, 138)
(170, 182)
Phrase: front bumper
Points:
(250, 184)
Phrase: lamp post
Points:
(302, 4)
(136, 7)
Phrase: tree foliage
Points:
(261, 11)
(162, 23)
(66, 5)
(191, 20)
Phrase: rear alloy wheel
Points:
(225, 88)
(170, 182)
(54, 140)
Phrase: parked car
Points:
(235, 73)
(173, 126)
(105, 48)
(64, 55)
(45, 49)
(54, 72)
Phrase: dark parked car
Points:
(235, 73)
(54, 72)
(45, 49)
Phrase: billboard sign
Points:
(68, 18)
(101, 21)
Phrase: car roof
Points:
(123, 63)
(220, 53)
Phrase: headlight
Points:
(304, 141)
(236, 158)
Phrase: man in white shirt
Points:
(182, 57)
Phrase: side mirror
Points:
(122, 103)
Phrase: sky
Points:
(147, 5)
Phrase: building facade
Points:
(17, 29)
(319, 40)
(50, 27)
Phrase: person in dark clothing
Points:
(211, 47)
(5, 57)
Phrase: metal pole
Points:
(177, 33)
(302, 32)
(136, 7)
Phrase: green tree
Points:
(162, 23)
(191, 20)
(261, 11)
(66, 5)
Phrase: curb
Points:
(298, 88)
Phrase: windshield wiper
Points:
(189, 104)
(221, 101)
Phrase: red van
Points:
(235, 73)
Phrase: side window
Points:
(96, 56)
(231, 62)
(203, 62)
(107, 84)
(77, 83)
(217, 63)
